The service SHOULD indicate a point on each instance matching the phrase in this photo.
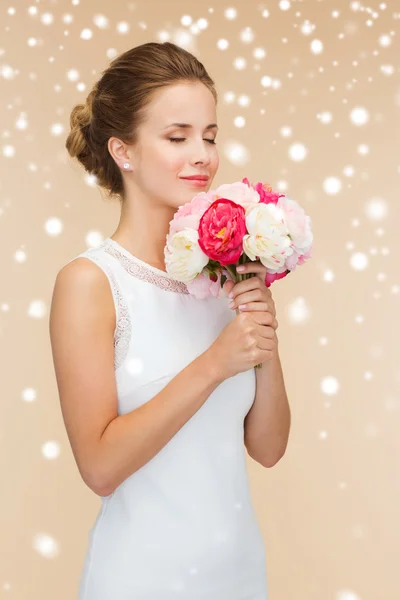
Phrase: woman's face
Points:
(158, 162)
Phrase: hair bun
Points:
(77, 142)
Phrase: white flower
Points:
(184, 259)
(268, 238)
(238, 192)
(297, 223)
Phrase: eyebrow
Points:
(188, 126)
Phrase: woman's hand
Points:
(254, 294)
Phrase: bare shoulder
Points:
(82, 324)
(82, 280)
(82, 298)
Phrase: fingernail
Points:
(230, 295)
(240, 269)
(231, 304)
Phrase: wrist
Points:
(212, 366)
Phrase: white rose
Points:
(239, 192)
(268, 236)
(184, 259)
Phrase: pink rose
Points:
(189, 214)
(264, 191)
(221, 231)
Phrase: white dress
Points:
(183, 526)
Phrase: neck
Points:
(143, 229)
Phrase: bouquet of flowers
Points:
(236, 223)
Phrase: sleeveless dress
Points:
(183, 526)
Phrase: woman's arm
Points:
(109, 447)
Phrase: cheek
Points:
(175, 163)
(157, 151)
(169, 158)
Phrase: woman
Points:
(155, 384)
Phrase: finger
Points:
(245, 297)
(259, 307)
(246, 285)
(263, 318)
(258, 271)
(252, 266)
(265, 331)
(228, 286)
(251, 285)
(254, 307)
(266, 342)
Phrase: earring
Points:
(126, 165)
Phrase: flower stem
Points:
(232, 270)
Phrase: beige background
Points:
(329, 510)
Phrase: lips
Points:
(197, 177)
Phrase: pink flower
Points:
(298, 224)
(306, 255)
(238, 192)
(271, 277)
(203, 286)
(264, 191)
(298, 259)
(292, 260)
(189, 214)
(221, 231)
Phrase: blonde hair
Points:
(116, 105)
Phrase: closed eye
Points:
(183, 139)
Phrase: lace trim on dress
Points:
(145, 274)
(123, 329)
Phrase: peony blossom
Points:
(239, 192)
(267, 239)
(189, 214)
(271, 277)
(221, 231)
(203, 286)
(298, 224)
(184, 259)
(298, 259)
(264, 190)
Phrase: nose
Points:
(201, 154)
